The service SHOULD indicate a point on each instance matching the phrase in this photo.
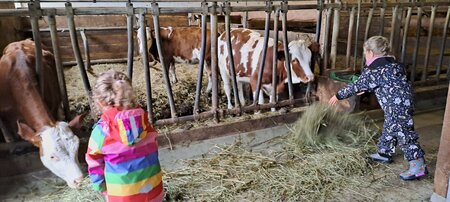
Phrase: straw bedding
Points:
(323, 155)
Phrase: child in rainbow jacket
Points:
(122, 155)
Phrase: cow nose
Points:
(310, 78)
(78, 181)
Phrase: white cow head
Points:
(58, 148)
(300, 62)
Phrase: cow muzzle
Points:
(309, 78)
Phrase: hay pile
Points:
(83, 194)
(313, 163)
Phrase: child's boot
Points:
(383, 158)
(417, 169)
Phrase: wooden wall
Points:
(9, 27)
(103, 44)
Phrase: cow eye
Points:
(54, 158)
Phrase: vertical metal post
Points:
(405, 34)
(326, 58)
(202, 59)
(215, 98)
(227, 11)
(393, 25)
(430, 36)
(355, 51)
(162, 60)
(144, 55)
(366, 33)
(274, 56)
(35, 13)
(350, 36)
(334, 37)
(76, 48)
(317, 38)
(58, 64)
(416, 47)
(444, 41)
(130, 20)
(86, 49)
(284, 10)
(382, 13)
(264, 53)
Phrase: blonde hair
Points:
(379, 45)
(114, 89)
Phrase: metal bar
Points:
(144, 55)
(416, 47)
(274, 57)
(180, 10)
(237, 102)
(355, 51)
(99, 61)
(34, 17)
(405, 34)
(86, 50)
(382, 14)
(162, 60)
(443, 44)
(130, 20)
(287, 56)
(366, 33)
(317, 39)
(76, 48)
(264, 53)
(428, 48)
(58, 64)
(350, 36)
(234, 111)
(326, 39)
(393, 25)
(215, 97)
(202, 59)
(334, 37)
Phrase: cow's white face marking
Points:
(59, 153)
(299, 51)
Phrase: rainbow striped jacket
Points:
(122, 157)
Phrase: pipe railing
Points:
(214, 9)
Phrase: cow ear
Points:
(77, 121)
(280, 55)
(28, 134)
(314, 47)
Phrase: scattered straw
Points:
(83, 194)
(316, 162)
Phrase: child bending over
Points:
(122, 155)
(388, 79)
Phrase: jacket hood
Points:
(127, 126)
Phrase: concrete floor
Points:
(32, 187)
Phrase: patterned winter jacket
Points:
(388, 80)
(122, 157)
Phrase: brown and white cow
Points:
(247, 48)
(24, 111)
(179, 44)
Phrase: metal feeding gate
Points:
(400, 14)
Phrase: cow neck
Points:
(25, 92)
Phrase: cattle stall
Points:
(90, 34)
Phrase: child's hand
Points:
(333, 101)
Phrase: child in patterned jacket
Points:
(122, 155)
(388, 79)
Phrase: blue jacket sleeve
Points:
(367, 82)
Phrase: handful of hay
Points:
(324, 127)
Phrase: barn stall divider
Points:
(335, 16)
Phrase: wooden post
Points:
(441, 175)
(349, 37)
(444, 41)
(215, 97)
(130, 20)
(428, 47)
(201, 63)
(35, 13)
(334, 37)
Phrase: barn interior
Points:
(193, 130)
